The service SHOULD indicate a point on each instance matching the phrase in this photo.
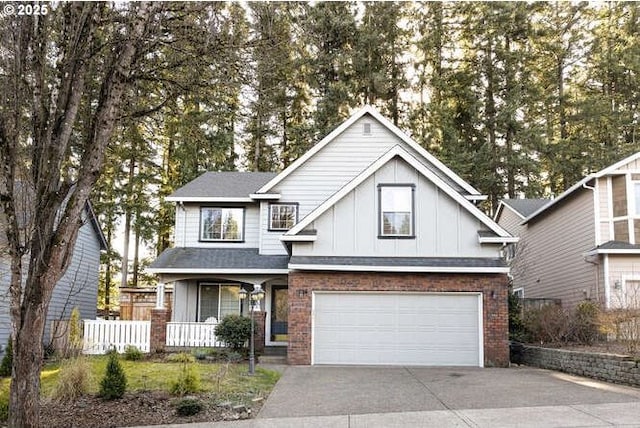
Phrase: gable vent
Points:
(366, 128)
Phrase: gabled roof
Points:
(582, 183)
(231, 186)
(401, 152)
(96, 227)
(217, 260)
(522, 207)
(391, 127)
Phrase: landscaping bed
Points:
(222, 391)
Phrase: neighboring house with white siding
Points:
(585, 243)
(369, 249)
(78, 287)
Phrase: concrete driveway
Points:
(325, 391)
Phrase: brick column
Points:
(259, 333)
(159, 319)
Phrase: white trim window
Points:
(396, 206)
(217, 301)
(221, 224)
(282, 216)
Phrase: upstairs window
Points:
(282, 216)
(221, 224)
(636, 191)
(396, 210)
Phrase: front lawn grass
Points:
(228, 382)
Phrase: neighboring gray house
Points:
(584, 244)
(78, 287)
(370, 250)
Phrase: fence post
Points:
(159, 319)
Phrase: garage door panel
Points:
(387, 328)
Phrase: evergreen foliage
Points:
(234, 330)
(7, 360)
(114, 383)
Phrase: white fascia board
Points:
(411, 160)
(431, 269)
(205, 199)
(607, 171)
(477, 197)
(315, 149)
(265, 196)
(613, 251)
(617, 165)
(239, 271)
(298, 238)
(497, 240)
(391, 127)
(418, 148)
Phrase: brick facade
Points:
(159, 320)
(493, 287)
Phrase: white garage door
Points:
(397, 329)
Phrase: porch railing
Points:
(192, 334)
(101, 335)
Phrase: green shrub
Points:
(74, 380)
(180, 357)
(114, 382)
(188, 407)
(188, 381)
(132, 353)
(7, 360)
(4, 408)
(234, 330)
(585, 323)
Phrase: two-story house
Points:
(585, 243)
(370, 250)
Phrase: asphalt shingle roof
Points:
(618, 245)
(217, 258)
(230, 184)
(526, 207)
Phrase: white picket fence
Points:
(101, 335)
(192, 334)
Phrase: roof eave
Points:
(422, 269)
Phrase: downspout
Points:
(596, 231)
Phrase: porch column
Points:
(159, 319)
(160, 295)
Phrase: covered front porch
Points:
(206, 285)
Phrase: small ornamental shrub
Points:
(234, 330)
(74, 345)
(516, 325)
(114, 382)
(7, 360)
(132, 353)
(188, 407)
(181, 357)
(188, 381)
(585, 322)
(74, 380)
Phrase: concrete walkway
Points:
(440, 397)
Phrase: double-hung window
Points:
(396, 205)
(221, 224)
(282, 216)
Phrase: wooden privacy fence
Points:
(102, 335)
(192, 334)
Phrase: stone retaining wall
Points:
(607, 367)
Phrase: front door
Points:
(279, 312)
